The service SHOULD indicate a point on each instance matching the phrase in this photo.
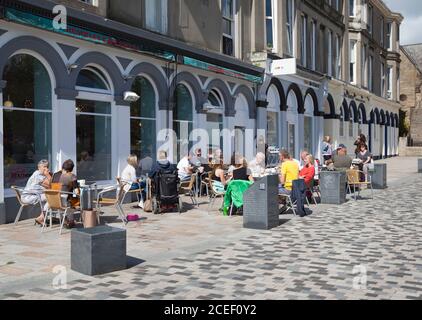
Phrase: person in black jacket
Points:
(162, 164)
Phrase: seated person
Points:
(185, 168)
(37, 183)
(257, 166)
(308, 171)
(129, 177)
(303, 155)
(162, 164)
(197, 160)
(289, 171)
(240, 170)
(341, 161)
(69, 183)
(218, 175)
(366, 157)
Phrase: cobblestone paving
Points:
(327, 255)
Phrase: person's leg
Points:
(46, 207)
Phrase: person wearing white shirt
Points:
(185, 169)
(130, 179)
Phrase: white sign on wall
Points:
(283, 67)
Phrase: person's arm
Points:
(282, 175)
(47, 181)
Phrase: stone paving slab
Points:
(201, 255)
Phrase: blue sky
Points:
(411, 31)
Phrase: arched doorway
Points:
(182, 120)
(241, 124)
(27, 117)
(215, 121)
(93, 124)
(143, 124)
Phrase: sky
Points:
(411, 29)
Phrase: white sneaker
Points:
(141, 204)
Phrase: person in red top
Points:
(308, 171)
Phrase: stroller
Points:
(165, 191)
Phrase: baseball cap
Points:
(341, 146)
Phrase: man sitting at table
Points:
(289, 171)
(341, 161)
(185, 168)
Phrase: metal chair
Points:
(130, 191)
(313, 188)
(55, 200)
(213, 193)
(112, 202)
(289, 203)
(353, 180)
(189, 187)
(19, 192)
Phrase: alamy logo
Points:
(60, 20)
(360, 281)
(60, 281)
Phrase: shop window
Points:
(182, 120)
(27, 120)
(143, 124)
(215, 121)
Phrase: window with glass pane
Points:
(228, 21)
(272, 129)
(352, 8)
(156, 15)
(303, 41)
(341, 122)
(182, 121)
(143, 124)
(93, 140)
(26, 118)
(214, 129)
(269, 23)
(289, 26)
(308, 134)
(292, 139)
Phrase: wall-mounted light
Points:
(8, 103)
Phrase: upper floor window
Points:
(270, 21)
(330, 53)
(370, 73)
(389, 37)
(389, 83)
(370, 18)
(352, 8)
(91, 2)
(156, 15)
(352, 63)
(382, 33)
(382, 80)
(227, 10)
(303, 41)
(337, 56)
(289, 25)
(313, 44)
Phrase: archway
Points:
(292, 123)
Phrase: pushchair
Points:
(165, 191)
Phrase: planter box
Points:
(379, 176)
(260, 208)
(420, 165)
(98, 250)
(333, 187)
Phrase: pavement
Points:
(365, 249)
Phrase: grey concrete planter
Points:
(260, 204)
(379, 176)
(420, 165)
(98, 250)
(333, 187)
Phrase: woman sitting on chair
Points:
(240, 170)
(308, 171)
(129, 177)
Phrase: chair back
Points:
(56, 186)
(353, 177)
(18, 195)
(54, 199)
(192, 182)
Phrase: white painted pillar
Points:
(64, 133)
(300, 137)
(120, 142)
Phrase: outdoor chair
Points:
(213, 193)
(312, 190)
(205, 178)
(57, 203)
(19, 192)
(289, 203)
(136, 191)
(116, 202)
(189, 188)
(353, 181)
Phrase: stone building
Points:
(410, 90)
(197, 65)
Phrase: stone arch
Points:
(310, 92)
(45, 50)
(156, 76)
(225, 92)
(300, 102)
(362, 109)
(248, 94)
(105, 62)
(355, 111)
(276, 83)
(377, 116)
(330, 113)
(382, 116)
(199, 95)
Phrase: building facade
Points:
(410, 90)
(198, 66)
